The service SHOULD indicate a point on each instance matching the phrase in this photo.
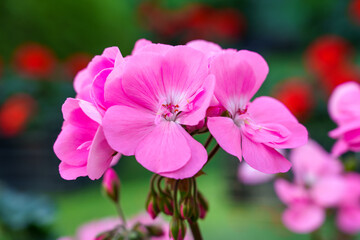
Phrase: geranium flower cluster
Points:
(150, 103)
(320, 183)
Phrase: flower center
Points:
(241, 117)
(168, 112)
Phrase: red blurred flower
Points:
(15, 113)
(327, 53)
(339, 75)
(193, 21)
(34, 60)
(354, 10)
(215, 24)
(297, 96)
(76, 62)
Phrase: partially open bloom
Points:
(348, 215)
(344, 109)
(318, 184)
(251, 130)
(81, 146)
(163, 90)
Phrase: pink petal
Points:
(312, 160)
(339, 148)
(227, 134)
(344, 103)
(196, 162)
(157, 48)
(327, 192)
(75, 115)
(113, 89)
(82, 79)
(263, 158)
(98, 86)
(68, 141)
(91, 111)
(303, 218)
(348, 219)
(267, 110)
(208, 48)
(100, 155)
(69, 172)
(235, 80)
(111, 53)
(259, 66)
(184, 71)
(125, 128)
(289, 193)
(140, 44)
(164, 149)
(143, 81)
(200, 104)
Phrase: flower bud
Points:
(177, 229)
(186, 208)
(203, 206)
(111, 185)
(166, 205)
(152, 205)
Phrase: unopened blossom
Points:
(164, 87)
(348, 214)
(344, 109)
(81, 146)
(251, 130)
(318, 185)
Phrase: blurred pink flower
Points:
(318, 184)
(81, 146)
(348, 216)
(344, 109)
(90, 230)
(251, 176)
(164, 87)
(253, 129)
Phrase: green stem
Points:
(121, 214)
(212, 153)
(176, 207)
(208, 141)
(195, 230)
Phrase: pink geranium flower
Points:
(344, 109)
(348, 215)
(164, 89)
(81, 146)
(252, 130)
(317, 185)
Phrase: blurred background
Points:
(310, 46)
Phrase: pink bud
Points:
(177, 229)
(111, 184)
(152, 206)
